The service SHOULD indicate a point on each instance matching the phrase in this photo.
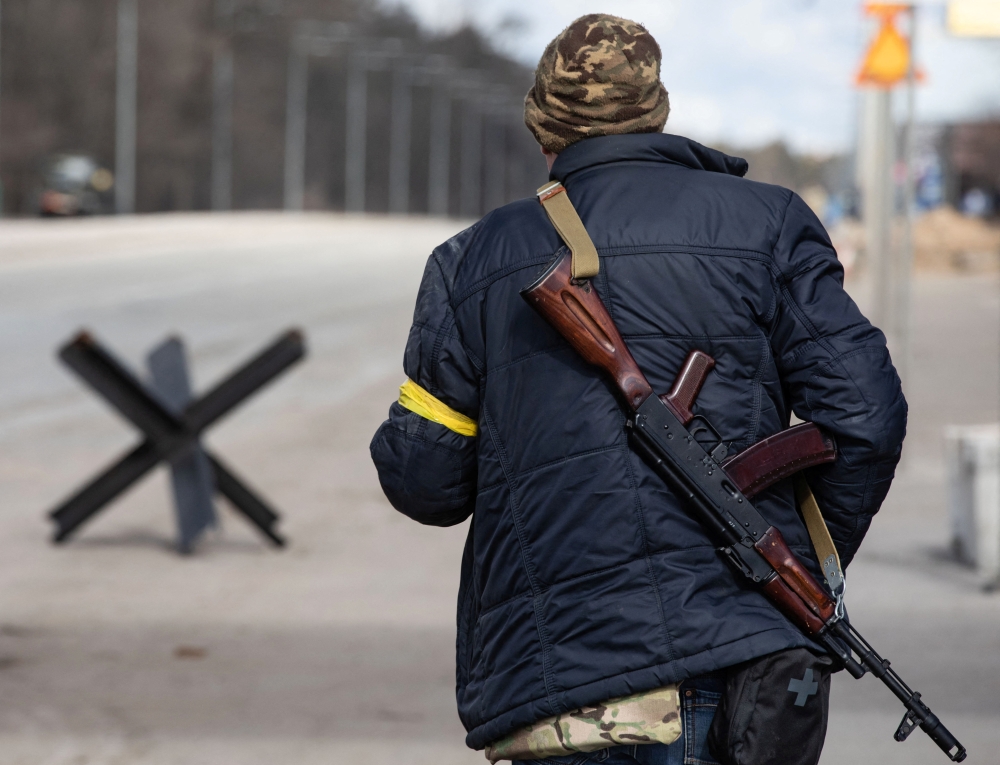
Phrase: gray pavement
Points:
(339, 649)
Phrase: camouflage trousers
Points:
(699, 698)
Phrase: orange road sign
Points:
(887, 61)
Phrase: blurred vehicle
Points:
(75, 184)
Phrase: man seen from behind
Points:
(596, 622)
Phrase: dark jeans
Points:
(699, 698)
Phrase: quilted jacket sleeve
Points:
(427, 471)
(836, 371)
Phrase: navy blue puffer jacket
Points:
(584, 578)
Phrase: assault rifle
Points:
(717, 490)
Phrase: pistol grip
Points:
(688, 384)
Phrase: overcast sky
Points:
(750, 71)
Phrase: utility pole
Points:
(887, 63)
(878, 202)
(295, 124)
(496, 157)
(309, 38)
(356, 148)
(904, 277)
(439, 159)
(473, 88)
(327, 39)
(359, 63)
(399, 139)
(1, 115)
(126, 87)
(471, 165)
(495, 161)
(426, 71)
(222, 107)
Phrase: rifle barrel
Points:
(917, 712)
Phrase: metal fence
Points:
(259, 104)
(495, 163)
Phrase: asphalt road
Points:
(339, 649)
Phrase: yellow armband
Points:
(419, 401)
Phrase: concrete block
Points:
(973, 464)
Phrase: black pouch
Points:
(774, 710)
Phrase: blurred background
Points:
(329, 104)
(222, 170)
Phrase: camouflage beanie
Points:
(600, 76)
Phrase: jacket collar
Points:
(644, 147)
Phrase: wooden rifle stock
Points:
(577, 312)
(579, 315)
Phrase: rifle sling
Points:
(826, 551)
(555, 201)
